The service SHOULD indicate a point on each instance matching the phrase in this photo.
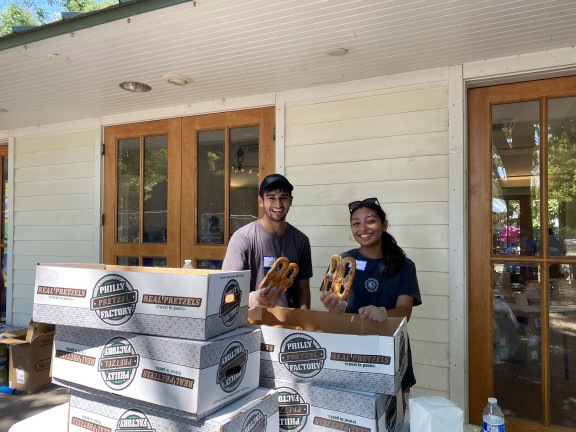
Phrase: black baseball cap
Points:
(275, 181)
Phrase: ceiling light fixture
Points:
(177, 79)
(57, 58)
(338, 52)
(135, 86)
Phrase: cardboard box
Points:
(306, 408)
(198, 377)
(30, 357)
(255, 412)
(333, 350)
(185, 303)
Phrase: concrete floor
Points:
(17, 407)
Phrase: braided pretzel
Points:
(335, 279)
(281, 275)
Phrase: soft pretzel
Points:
(336, 278)
(281, 275)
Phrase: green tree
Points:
(36, 12)
(14, 15)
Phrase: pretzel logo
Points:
(334, 280)
(281, 275)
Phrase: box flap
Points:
(15, 334)
(36, 329)
(313, 320)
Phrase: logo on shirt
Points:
(371, 285)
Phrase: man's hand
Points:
(373, 313)
(332, 302)
(266, 297)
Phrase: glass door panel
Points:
(515, 174)
(244, 170)
(128, 198)
(516, 340)
(562, 322)
(155, 193)
(211, 191)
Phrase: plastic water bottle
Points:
(493, 417)
(187, 264)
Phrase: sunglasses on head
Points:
(368, 202)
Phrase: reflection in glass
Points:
(561, 175)
(515, 179)
(128, 190)
(154, 262)
(127, 261)
(155, 189)
(210, 188)
(562, 319)
(244, 170)
(516, 339)
(209, 264)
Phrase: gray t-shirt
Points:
(253, 248)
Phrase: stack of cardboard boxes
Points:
(333, 371)
(154, 349)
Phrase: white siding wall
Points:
(393, 146)
(53, 208)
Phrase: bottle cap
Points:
(492, 400)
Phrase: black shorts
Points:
(409, 379)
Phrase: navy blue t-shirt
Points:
(371, 287)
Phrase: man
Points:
(257, 245)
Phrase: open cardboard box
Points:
(332, 350)
(257, 411)
(194, 377)
(183, 303)
(30, 356)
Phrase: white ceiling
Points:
(235, 48)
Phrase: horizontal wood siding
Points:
(393, 146)
(54, 214)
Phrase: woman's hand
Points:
(332, 302)
(373, 313)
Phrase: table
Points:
(52, 420)
(56, 420)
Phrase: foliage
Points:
(14, 15)
(37, 12)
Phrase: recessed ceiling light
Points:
(135, 86)
(57, 58)
(338, 52)
(177, 79)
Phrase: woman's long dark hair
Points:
(394, 255)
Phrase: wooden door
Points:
(177, 189)
(522, 259)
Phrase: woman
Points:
(385, 282)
